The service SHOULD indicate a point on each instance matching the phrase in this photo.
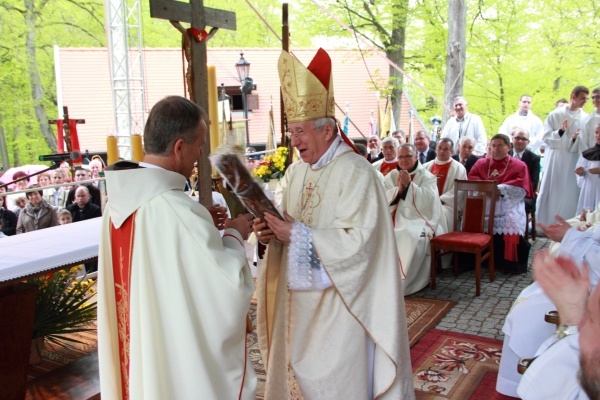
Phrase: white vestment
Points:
(531, 122)
(559, 192)
(347, 339)
(525, 329)
(456, 171)
(589, 185)
(472, 126)
(553, 374)
(587, 136)
(416, 221)
(189, 295)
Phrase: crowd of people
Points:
(54, 200)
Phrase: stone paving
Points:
(483, 315)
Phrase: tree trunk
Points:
(35, 82)
(16, 158)
(3, 148)
(456, 52)
(395, 53)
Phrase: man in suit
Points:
(81, 174)
(424, 152)
(520, 138)
(374, 146)
(465, 154)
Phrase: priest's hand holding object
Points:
(282, 230)
(219, 215)
(262, 231)
(242, 224)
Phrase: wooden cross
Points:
(199, 16)
(69, 140)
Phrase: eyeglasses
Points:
(406, 157)
(295, 135)
(597, 96)
(521, 139)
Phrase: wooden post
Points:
(285, 43)
(456, 53)
(199, 16)
(67, 136)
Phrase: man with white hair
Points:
(465, 124)
(416, 209)
(524, 118)
(331, 316)
(465, 153)
(389, 162)
(374, 147)
(446, 171)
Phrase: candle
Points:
(137, 151)
(112, 150)
(213, 107)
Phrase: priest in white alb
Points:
(590, 122)
(559, 192)
(331, 316)
(447, 170)
(173, 296)
(588, 175)
(525, 118)
(416, 210)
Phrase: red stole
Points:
(121, 241)
(387, 167)
(441, 173)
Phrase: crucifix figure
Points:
(67, 130)
(194, 38)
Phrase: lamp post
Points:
(243, 70)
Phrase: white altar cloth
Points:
(46, 249)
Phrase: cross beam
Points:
(182, 12)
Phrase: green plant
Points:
(63, 306)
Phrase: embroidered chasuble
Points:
(315, 343)
(441, 173)
(173, 295)
(386, 167)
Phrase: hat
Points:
(307, 92)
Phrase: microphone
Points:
(58, 158)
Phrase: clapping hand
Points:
(556, 232)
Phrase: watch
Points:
(565, 330)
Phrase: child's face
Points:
(21, 203)
(65, 219)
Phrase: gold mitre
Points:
(307, 92)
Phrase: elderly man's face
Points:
(525, 104)
(589, 332)
(466, 149)
(407, 158)
(444, 151)
(460, 108)
(81, 197)
(421, 142)
(520, 141)
(390, 151)
(373, 143)
(499, 149)
(310, 142)
(95, 167)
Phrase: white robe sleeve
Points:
(583, 246)
(480, 135)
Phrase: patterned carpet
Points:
(456, 366)
(421, 315)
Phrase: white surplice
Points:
(472, 126)
(189, 296)
(531, 122)
(587, 136)
(456, 171)
(417, 219)
(525, 329)
(559, 192)
(589, 185)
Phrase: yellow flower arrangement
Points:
(272, 166)
(63, 305)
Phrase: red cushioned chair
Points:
(472, 238)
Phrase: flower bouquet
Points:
(272, 166)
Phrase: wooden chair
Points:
(472, 238)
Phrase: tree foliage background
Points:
(513, 47)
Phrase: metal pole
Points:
(246, 117)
